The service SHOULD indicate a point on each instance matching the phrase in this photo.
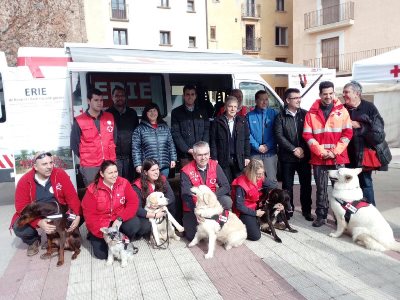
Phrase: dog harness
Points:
(351, 207)
(221, 219)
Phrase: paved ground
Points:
(307, 265)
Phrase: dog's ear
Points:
(358, 170)
(104, 230)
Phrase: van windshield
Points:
(249, 89)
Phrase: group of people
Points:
(236, 155)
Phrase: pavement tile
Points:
(375, 294)
(175, 282)
(109, 294)
(334, 289)
(78, 288)
(300, 281)
(172, 271)
(33, 295)
(351, 296)
(150, 287)
(293, 295)
(202, 287)
(230, 289)
(314, 292)
(86, 296)
(184, 292)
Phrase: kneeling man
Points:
(202, 171)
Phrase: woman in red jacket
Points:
(246, 191)
(109, 201)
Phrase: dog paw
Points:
(278, 240)
(228, 247)
(293, 230)
(181, 229)
(176, 238)
(208, 256)
(60, 263)
(334, 235)
(109, 263)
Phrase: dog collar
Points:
(221, 219)
(351, 207)
(54, 217)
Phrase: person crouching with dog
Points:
(108, 202)
(202, 171)
(152, 181)
(246, 191)
(44, 183)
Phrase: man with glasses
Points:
(44, 183)
(293, 152)
(92, 137)
(126, 120)
(202, 171)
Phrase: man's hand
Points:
(190, 151)
(74, 224)
(260, 212)
(279, 207)
(200, 219)
(46, 226)
(331, 154)
(173, 164)
(298, 152)
(263, 148)
(139, 169)
(356, 124)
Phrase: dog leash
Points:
(165, 244)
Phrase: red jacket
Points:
(252, 192)
(334, 134)
(101, 205)
(195, 178)
(94, 148)
(64, 192)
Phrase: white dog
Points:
(156, 202)
(119, 246)
(232, 233)
(366, 225)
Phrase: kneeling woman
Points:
(246, 191)
(152, 181)
(109, 201)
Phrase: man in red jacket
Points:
(93, 137)
(43, 183)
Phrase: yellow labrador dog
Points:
(162, 228)
(362, 220)
(218, 224)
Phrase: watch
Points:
(120, 219)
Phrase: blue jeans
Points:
(367, 187)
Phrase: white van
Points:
(40, 97)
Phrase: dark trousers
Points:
(303, 170)
(252, 227)
(26, 233)
(365, 178)
(232, 170)
(125, 168)
(131, 228)
(321, 182)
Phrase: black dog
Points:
(57, 215)
(270, 202)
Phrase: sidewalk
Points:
(307, 265)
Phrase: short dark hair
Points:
(189, 87)
(289, 91)
(92, 92)
(326, 85)
(149, 106)
(259, 93)
(117, 88)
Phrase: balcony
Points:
(251, 45)
(343, 63)
(251, 11)
(328, 18)
(119, 13)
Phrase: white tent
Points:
(383, 68)
(380, 76)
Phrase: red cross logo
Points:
(395, 71)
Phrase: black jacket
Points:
(371, 135)
(188, 128)
(126, 124)
(219, 141)
(288, 134)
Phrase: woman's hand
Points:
(48, 228)
(117, 223)
(74, 224)
(260, 212)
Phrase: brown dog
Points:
(57, 215)
(275, 203)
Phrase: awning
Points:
(86, 58)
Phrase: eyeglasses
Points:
(294, 98)
(43, 155)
